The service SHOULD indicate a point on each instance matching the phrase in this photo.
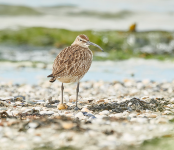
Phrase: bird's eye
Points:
(80, 40)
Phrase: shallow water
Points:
(137, 69)
(28, 53)
(148, 15)
(103, 5)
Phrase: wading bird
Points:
(72, 63)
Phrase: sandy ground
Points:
(111, 115)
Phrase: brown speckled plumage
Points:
(72, 63)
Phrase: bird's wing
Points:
(70, 62)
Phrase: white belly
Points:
(69, 79)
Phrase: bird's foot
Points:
(76, 108)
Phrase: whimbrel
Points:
(72, 63)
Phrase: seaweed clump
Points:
(134, 104)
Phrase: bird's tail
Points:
(52, 79)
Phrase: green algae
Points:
(12, 10)
(115, 43)
(164, 143)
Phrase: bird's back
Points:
(71, 64)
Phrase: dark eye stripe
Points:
(82, 40)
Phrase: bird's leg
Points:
(77, 91)
(61, 105)
(62, 88)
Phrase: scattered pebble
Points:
(62, 106)
(105, 112)
(110, 115)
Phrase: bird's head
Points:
(83, 40)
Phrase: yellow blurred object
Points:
(132, 28)
(62, 106)
(68, 125)
(126, 80)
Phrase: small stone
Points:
(137, 128)
(18, 103)
(49, 112)
(148, 111)
(46, 112)
(89, 115)
(132, 115)
(100, 101)
(105, 112)
(125, 113)
(62, 106)
(28, 111)
(49, 99)
(19, 98)
(14, 113)
(172, 100)
(37, 139)
(37, 109)
(76, 108)
(56, 114)
(33, 125)
(141, 116)
(89, 101)
(139, 120)
(68, 125)
(38, 101)
(79, 115)
(167, 112)
(7, 98)
(129, 138)
(69, 115)
(144, 97)
(66, 112)
(119, 115)
(162, 120)
(85, 109)
(72, 98)
(151, 115)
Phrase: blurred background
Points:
(137, 37)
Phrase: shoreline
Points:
(142, 111)
(135, 69)
(118, 45)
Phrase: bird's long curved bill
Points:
(90, 43)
